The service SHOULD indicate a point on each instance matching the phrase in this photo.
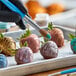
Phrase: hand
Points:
(6, 15)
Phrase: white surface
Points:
(67, 19)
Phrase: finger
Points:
(6, 16)
(21, 24)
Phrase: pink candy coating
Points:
(24, 55)
(49, 50)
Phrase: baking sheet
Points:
(65, 58)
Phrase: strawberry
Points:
(56, 34)
(3, 61)
(49, 50)
(24, 55)
(7, 45)
(32, 41)
(73, 43)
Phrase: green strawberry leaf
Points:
(50, 26)
(18, 38)
(1, 35)
(13, 51)
(26, 34)
(71, 36)
(0, 51)
(46, 40)
(26, 44)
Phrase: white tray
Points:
(65, 58)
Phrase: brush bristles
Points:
(45, 33)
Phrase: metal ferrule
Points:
(31, 22)
(55, 74)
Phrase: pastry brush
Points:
(64, 72)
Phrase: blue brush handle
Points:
(69, 71)
(12, 7)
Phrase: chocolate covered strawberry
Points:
(7, 45)
(49, 50)
(56, 34)
(3, 61)
(32, 41)
(24, 55)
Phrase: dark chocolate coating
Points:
(49, 50)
